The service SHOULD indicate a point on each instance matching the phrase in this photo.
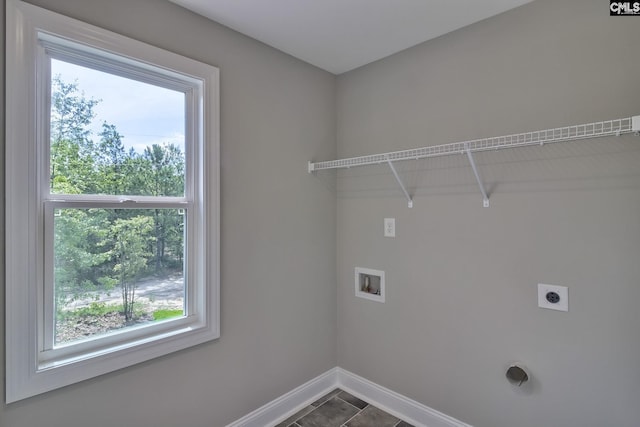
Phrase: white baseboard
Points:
(400, 406)
(396, 404)
(288, 404)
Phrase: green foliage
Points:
(111, 162)
(100, 309)
(71, 147)
(96, 309)
(101, 249)
(78, 257)
(131, 239)
(71, 112)
(166, 314)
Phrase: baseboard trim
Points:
(394, 403)
(288, 404)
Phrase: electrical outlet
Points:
(389, 227)
(553, 297)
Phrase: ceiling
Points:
(340, 35)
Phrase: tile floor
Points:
(340, 409)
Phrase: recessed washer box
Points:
(369, 284)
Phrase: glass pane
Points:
(114, 135)
(116, 268)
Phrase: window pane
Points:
(114, 135)
(116, 268)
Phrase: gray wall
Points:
(461, 280)
(278, 263)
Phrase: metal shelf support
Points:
(485, 198)
(404, 190)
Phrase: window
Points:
(112, 182)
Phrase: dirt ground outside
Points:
(152, 294)
(156, 292)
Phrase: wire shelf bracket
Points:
(404, 190)
(485, 197)
(606, 128)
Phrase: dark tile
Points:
(333, 413)
(289, 421)
(372, 417)
(360, 404)
(326, 397)
(404, 424)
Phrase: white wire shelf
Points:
(569, 133)
(614, 127)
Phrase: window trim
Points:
(28, 373)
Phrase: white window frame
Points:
(33, 364)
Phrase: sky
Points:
(144, 114)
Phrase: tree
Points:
(71, 112)
(110, 159)
(161, 173)
(78, 256)
(98, 249)
(130, 238)
(71, 147)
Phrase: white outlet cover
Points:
(563, 293)
(389, 227)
